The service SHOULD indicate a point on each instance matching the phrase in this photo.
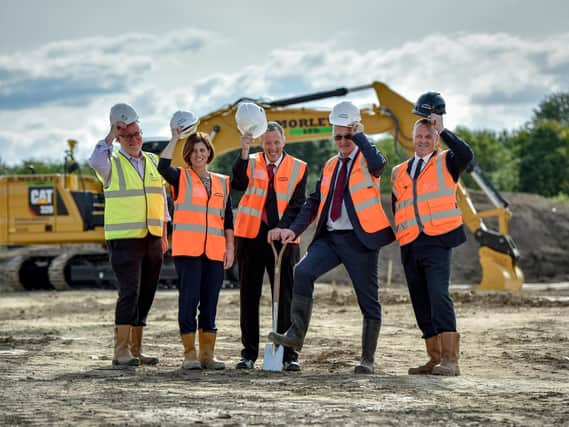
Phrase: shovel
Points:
(273, 358)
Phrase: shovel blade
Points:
(273, 358)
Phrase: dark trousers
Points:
(427, 270)
(199, 283)
(332, 249)
(254, 256)
(136, 264)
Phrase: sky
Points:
(63, 64)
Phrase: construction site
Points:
(510, 287)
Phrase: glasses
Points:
(340, 137)
(130, 136)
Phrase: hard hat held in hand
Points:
(251, 119)
(186, 122)
(123, 113)
(429, 103)
(344, 114)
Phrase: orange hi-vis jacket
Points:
(199, 219)
(427, 204)
(364, 190)
(287, 176)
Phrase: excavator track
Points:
(10, 274)
(56, 271)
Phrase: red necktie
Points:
(339, 190)
(271, 172)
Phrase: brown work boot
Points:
(136, 347)
(122, 355)
(449, 360)
(434, 351)
(207, 348)
(190, 357)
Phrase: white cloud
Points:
(488, 80)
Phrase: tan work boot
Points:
(122, 355)
(207, 347)
(434, 351)
(136, 347)
(190, 357)
(449, 360)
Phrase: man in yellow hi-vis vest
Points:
(135, 214)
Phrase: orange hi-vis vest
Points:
(427, 204)
(199, 219)
(287, 176)
(364, 190)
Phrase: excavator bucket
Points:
(499, 272)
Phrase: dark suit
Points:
(255, 256)
(356, 249)
(426, 260)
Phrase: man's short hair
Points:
(274, 126)
(426, 122)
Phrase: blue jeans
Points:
(199, 283)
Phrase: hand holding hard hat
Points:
(183, 124)
(357, 127)
(251, 119)
(120, 116)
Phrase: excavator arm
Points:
(498, 253)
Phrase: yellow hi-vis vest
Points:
(250, 210)
(427, 204)
(134, 207)
(364, 189)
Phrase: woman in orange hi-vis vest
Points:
(202, 243)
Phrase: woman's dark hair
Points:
(193, 139)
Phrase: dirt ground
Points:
(55, 368)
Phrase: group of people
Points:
(351, 227)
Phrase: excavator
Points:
(67, 209)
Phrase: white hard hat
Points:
(186, 120)
(345, 114)
(251, 119)
(123, 113)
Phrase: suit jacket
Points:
(373, 241)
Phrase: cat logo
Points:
(41, 200)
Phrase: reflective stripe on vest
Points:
(427, 204)
(199, 218)
(133, 206)
(287, 176)
(365, 192)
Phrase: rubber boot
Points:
(207, 348)
(370, 335)
(136, 347)
(449, 360)
(122, 355)
(190, 356)
(300, 312)
(434, 350)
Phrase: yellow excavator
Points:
(63, 213)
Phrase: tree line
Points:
(531, 159)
